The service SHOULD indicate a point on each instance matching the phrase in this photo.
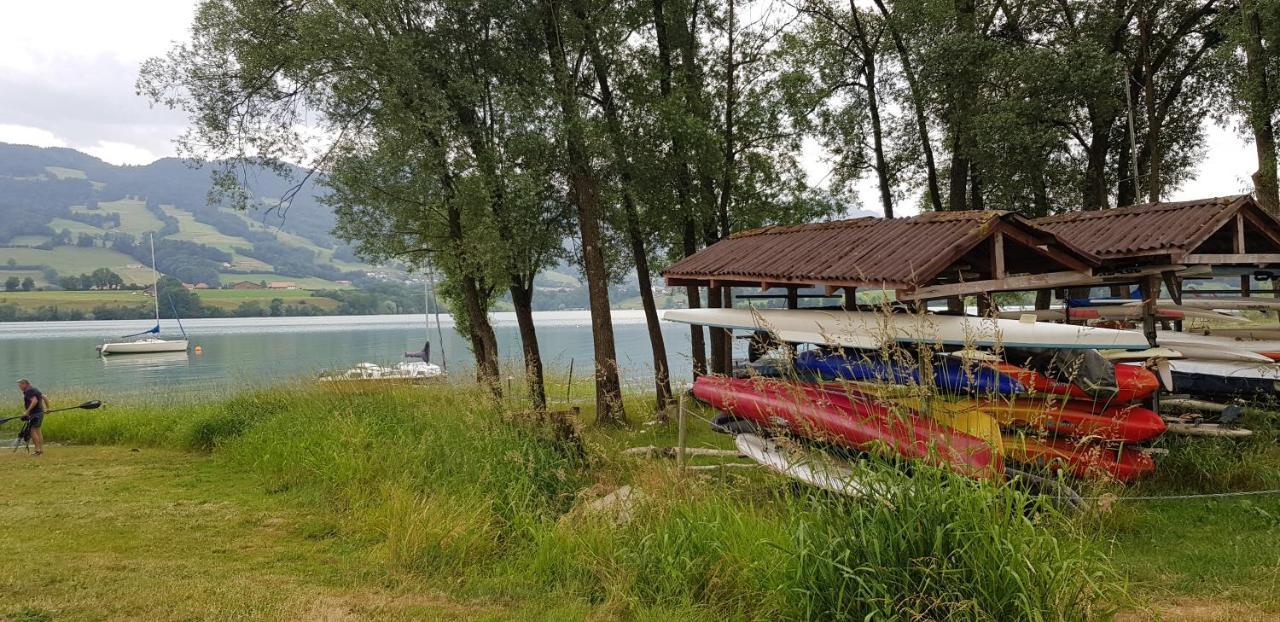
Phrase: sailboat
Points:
(150, 343)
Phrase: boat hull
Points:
(1081, 459)
(851, 420)
(949, 375)
(1132, 383)
(147, 346)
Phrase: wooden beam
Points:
(793, 297)
(1174, 285)
(850, 298)
(1238, 246)
(1233, 258)
(1011, 283)
(1150, 289)
(1040, 247)
(997, 256)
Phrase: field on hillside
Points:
(83, 301)
(74, 261)
(308, 282)
(192, 231)
(134, 217)
(229, 299)
(75, 227)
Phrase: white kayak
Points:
(808, 466)
(1164, 311)
(1235, 304)
(857, 329)
(143, 346)
(1226, 369)
(1209, 347)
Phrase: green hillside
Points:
(66, 212)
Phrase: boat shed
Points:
(930, 256)
(1221, 236)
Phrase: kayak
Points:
(852, 420)
(1078, 458)
(1129, 424)
(949, 375)
(1225, 378)
(857, 329)
(1213, 348)
(1133, 383)
(971, 421)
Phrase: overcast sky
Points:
(68, 67)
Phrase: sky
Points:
(68, 67)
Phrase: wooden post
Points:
(727, 302)
(1043, 298)
(793, 297)
(850, 299)
(1150, 289)
(1246, 281)
(680, 436)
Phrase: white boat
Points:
(1210, 348)
(1235, 304)
(408, 370)
(856, 329)
(148, 345)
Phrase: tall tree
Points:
(1259, 26)
(585, 192)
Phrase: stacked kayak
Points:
(851, 420)
(1083, 433)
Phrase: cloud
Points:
(120, 153)
(27, 135)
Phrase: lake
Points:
(244, 352)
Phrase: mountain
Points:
(66, 212)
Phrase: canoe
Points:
(1129, 424)
(1262, 333)
(949, 375)
(1051, 315)
(1208, 347)
(1225, 379)
(1133, 383)
(850, 420)
(1269, 348)
(870, 330)
(811, 467)
(1245, 304)
(1081, 459)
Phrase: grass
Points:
(65, 173)
(75, 227)
(75, 260)
(267, 503)
(28, 240)
(83, 301)
(309, 282)
(232, 298)
(37, 276)
(134, 216)
(191, 230)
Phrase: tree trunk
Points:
(1095, 173)
(697, 340)
(962, 96)
(1262, 110)
(586, 195)
(873, 107)
(522, 300)
(635, 233)
(484, 343)
(918, 107)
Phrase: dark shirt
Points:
(26, 400)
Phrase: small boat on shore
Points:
(408, 370)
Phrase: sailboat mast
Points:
(431, 281)
(155, 277)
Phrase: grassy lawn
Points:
(28, 240)
(191, 230)
(74, 260)
(84, 301)
(163, 535)
(231, 298)
(397, 502)
(65, 173)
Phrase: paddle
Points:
(90, 405)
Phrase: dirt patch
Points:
(1197, 610)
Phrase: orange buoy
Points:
(199, 350)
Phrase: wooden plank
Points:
(1039, 246)
(1238, 246)
(997, 256)
(1233, 258)
(1011, 283)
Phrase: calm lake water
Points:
(242, 352)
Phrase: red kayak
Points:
(851, 420)
(1130, 424)
(1134, 382)
(1079, 458)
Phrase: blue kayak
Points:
(948, 374)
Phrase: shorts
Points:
(35, 420)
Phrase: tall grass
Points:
(442, 481)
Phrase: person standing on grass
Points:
(34, 404)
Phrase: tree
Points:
(585, 192)
(1255, 32)
(12, 284)
(28, 284)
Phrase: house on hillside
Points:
(247, 285)
(282, 285)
